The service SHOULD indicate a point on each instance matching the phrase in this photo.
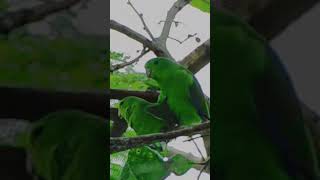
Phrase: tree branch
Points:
(12, 20)
(122, 65)
(124, 143)
(32, 104)
(198, 58)
(136, 36)
(120, 94)
(185, 39)
(173, 11)
(140, 15)
(278, 15)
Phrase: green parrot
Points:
(258, 130)
(145, 117)
(180, 89)
(68, 145)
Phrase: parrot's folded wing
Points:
(281, 120)
(198, 99)
(162, 111)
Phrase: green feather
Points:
(259, 132)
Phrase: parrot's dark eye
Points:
(121, 102)
(156, 62)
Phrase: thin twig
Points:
(176, 23)
(203, 168)
(145, 27)
(188, 37)
(194, 142)
(201, 136)
(122, 65)
(14, 19)
(138, 37)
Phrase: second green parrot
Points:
(145, 117)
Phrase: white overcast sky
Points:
(299, 49)
(193, 21)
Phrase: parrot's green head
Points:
(159, 67)
(127, 106)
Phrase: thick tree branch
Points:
(136, 36)
(120, 94)
(124, 143)
(32, 104)
(278, 15)
(173, 11)
(130, 33)
(15, 19)
(198, 58)
(161, 41)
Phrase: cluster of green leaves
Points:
(128, 81)
(63, 63)
(117, 58)
(146, 163)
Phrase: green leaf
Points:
(117, 164)
(146, 164)
(203, 5)
(129, 81)
(179, 165)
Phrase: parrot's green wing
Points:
(198, 100)
(258, 122)
(195, 94)
(136, 112)
(163, 112)
(281, 119)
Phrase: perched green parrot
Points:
(258, 130)
(68, 145)
(145, 117)
(180, 89)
